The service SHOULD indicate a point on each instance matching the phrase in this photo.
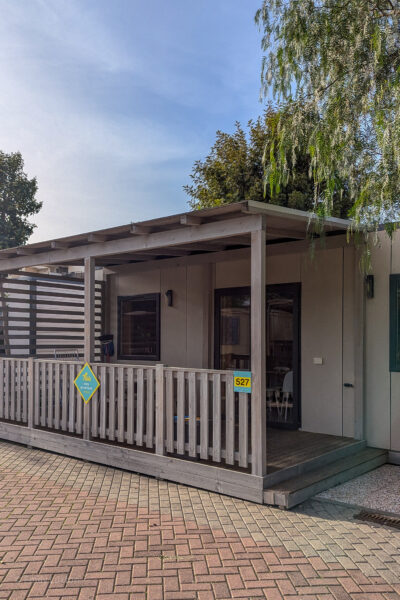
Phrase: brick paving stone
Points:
(74, 530)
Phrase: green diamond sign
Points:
(86, 383)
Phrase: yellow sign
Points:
(242, 381)
(86, 383)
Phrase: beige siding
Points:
(377, 378)
(348, 341)
(395, 377)
(321, 334)
(187, 327)
(184, 325)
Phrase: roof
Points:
(160, 237)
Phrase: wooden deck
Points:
(185, 425)
(289, 448)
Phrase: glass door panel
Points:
(232, 345)
(233, 329)
(282, 352)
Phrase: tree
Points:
(17, 201)
(333, 66)
(234, 171)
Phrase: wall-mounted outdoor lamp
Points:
(369, 286)
(170, 297)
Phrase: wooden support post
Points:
(160, 410)
(258, 361)
(89, 330)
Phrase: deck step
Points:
(295, 490)
(321, 460)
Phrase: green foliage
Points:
(333, 68)
(234, 171)
(17, 201)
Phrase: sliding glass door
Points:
(232, 345)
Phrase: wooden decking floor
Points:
(288, 448)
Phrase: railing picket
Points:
(111, 405)
(192, 415)
(160, 410)
(204, 416)
(43, 396)
(12, 390)
(216, 417)
(57, 399)
(121, 407)
(37, 394)
(130, 399)
(180, 413)
(71, 399)
(64, 397)
(139, 407)
(50, 422)
(18, 367)
(150, 408)
(26, 384)
(2, 384)
(7, 389)
(79, 409)
(243, 430)
(95, 408)
(229, 421)
(30, 411)
(103, 402)
(169, 410)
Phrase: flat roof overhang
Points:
(205, 231)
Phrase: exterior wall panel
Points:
(377, 377)
(187, 327)
(321, 337)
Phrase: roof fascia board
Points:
(208, 232)
(271, 210)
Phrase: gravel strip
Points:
(377, 490)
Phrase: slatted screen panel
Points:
(43, 316)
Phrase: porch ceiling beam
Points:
(191, 220)
(59, 245)
(217, 230)
(166, 252)
(97, 237)
(286, 233)
(204, 247)
(141, 229)
(25, 251)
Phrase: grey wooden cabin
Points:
(189, 300)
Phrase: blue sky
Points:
(111, 102)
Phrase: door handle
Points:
(348, 385)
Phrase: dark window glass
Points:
(234, 330)
(139, 327)
(395, 322)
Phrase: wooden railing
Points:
(14, 383)
(188, 413)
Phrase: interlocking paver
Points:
(70, 529)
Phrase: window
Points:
(395, 322)
(139, 327)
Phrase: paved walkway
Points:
(71, 529)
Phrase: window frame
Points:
(144, 357)
(394, 284)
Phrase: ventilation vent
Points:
(378, 519)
